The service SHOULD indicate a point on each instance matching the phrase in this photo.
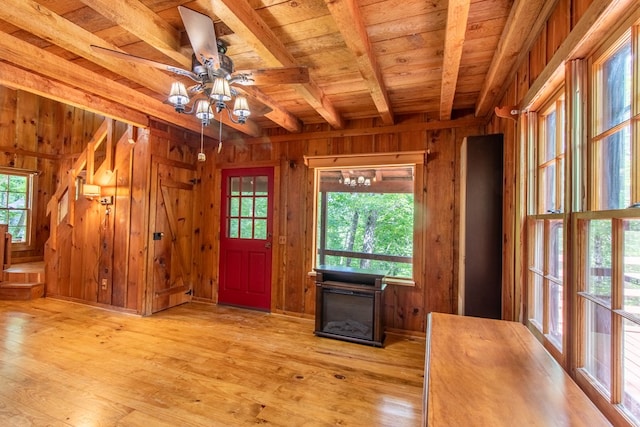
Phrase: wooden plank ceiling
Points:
(365, 58)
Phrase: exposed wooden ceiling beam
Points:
(19, 79)
(457, 16)
(347, 15)
(145, 24)
(240, 16)
(526, 19)
(43, 22)
(25, 55)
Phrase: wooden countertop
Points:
(484, 372)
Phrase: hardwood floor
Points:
(64, 364)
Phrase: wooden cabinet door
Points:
(171, 237)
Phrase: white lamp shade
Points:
(241, 107)
(203, 110)
(178, 94)
(221, 90)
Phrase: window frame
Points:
(416, 159)
(32, 185)
(539, 220)
(609, 399)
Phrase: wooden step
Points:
(28, 272)
(20, 291)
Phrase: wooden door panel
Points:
(171, 236)
(246, 238)
(256, 265)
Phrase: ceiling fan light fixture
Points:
(178, 96)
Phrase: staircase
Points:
(23, 281)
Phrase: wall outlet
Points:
(103, 284)
(282, 240)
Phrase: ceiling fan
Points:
(213, 72)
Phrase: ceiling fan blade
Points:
(274, 76)
(133, 58)
(202, 36)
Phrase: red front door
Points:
(246, 237)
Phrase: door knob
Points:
(267, 245)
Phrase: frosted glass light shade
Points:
(203, 110)
(178, 94)
(221, 90)
(241, 107)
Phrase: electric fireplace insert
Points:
(350, 305)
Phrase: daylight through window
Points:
(366, 219)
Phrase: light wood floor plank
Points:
(196, 365)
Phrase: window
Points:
(247, 203)
(546, 223)
(366, 213)
(608, 234)
(16, 189)
(365, 219)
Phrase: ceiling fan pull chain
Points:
(220, 134)
(201, 156)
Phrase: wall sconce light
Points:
(91, 190)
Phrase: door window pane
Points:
(597, 341)
(260, 230)
(248, 207)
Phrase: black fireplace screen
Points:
(348, 313)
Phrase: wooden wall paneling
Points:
(64, 279)
(281, 261)
(8, 111)
(137, 274)
(109, 223)
(121, 216)
(27, 124)
(207, 211)
(75, 248)
(196, 222)
(537, 57)
(309, 242)
(242, 154)
(522, 83)
(578, 8)
(89, 232)
(439, 234)
(386, 142)
(295, 214)
(558, 27)
(509, 284)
